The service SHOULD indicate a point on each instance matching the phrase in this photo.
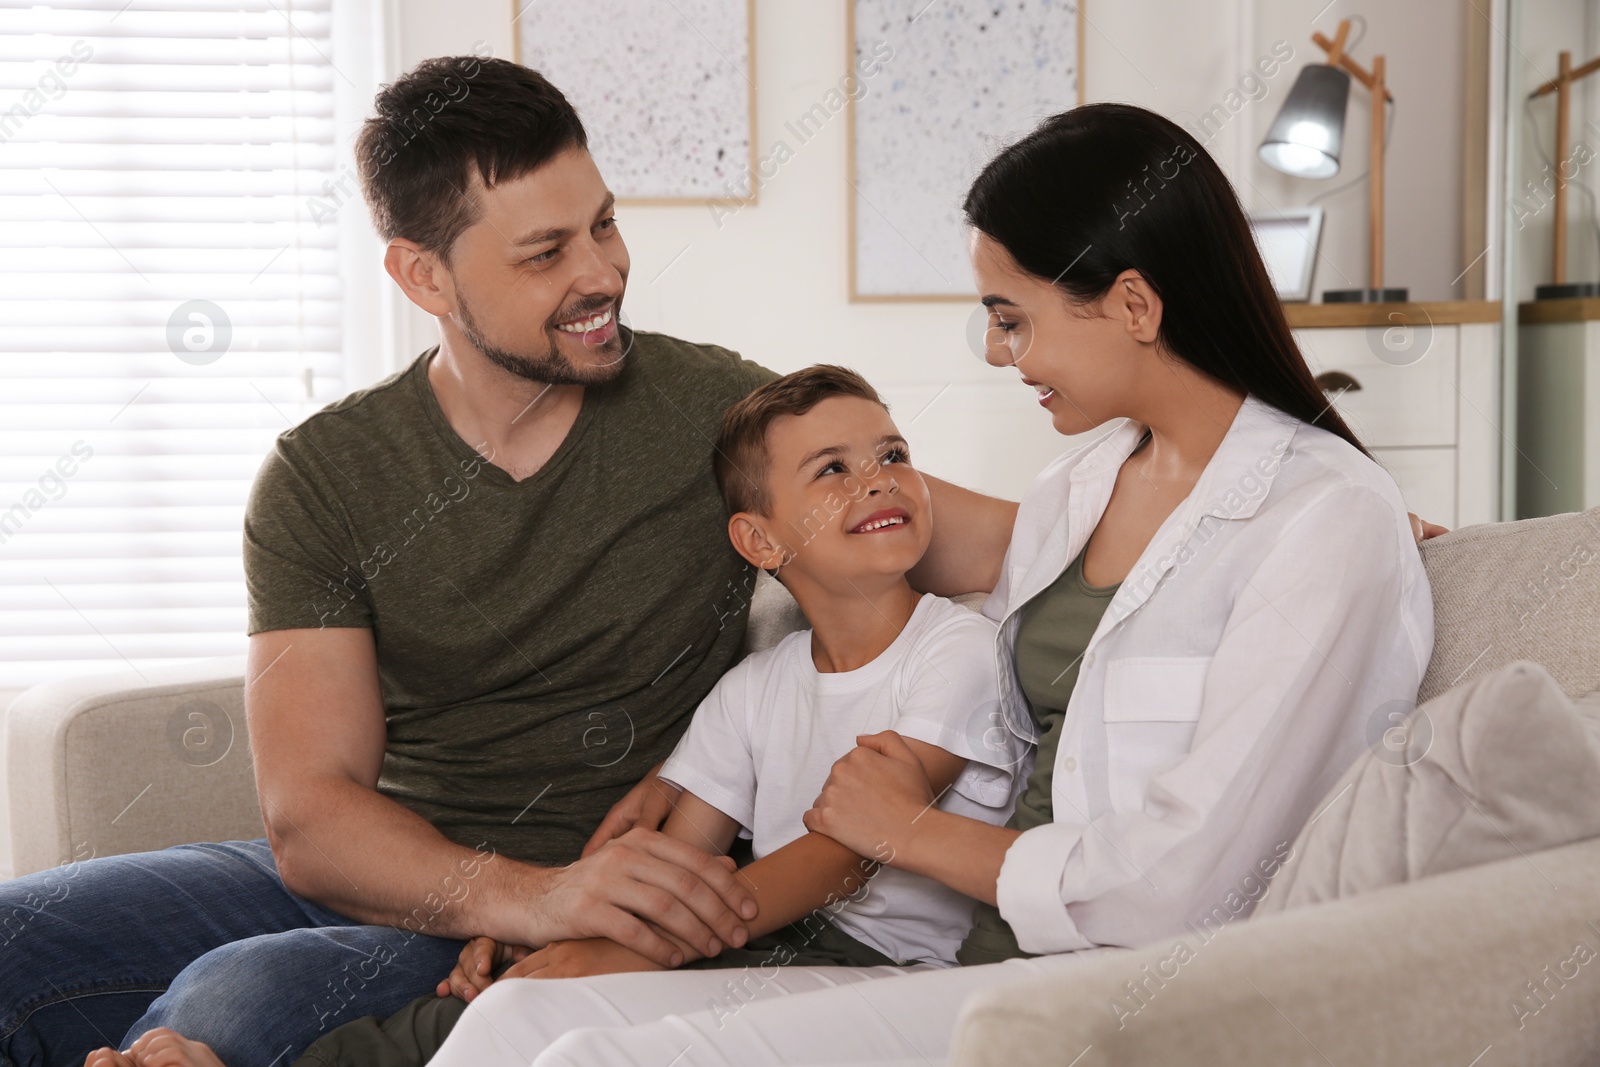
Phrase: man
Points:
(485, 597)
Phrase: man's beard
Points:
(551, 368)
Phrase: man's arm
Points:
(809, 873)
(317, 735)
(971, 533)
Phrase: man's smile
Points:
(596, 328)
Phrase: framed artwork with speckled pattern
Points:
(942, 85)
(666, 90)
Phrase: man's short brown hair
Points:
(438, 123)
(741, 461)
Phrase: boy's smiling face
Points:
(846, 502)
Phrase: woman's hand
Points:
(1422, 529)
(579, 959)
(646, 805)
(874, 795)
(473, 970)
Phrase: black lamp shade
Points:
(1306, 136)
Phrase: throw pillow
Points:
(1500, 766)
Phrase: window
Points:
(170, 301)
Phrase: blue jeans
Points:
(202, 938)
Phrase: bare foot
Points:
(160, 1047)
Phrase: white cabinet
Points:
(1419, 385)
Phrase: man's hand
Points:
(579, 959)
(640, 878)
(645, 806)
(473, 970)
(1422, 529)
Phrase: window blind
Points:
(169, 303)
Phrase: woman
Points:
(1200, 614)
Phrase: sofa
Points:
(1422, 973)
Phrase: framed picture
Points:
(952, 82)
(666, 91)
(1288, 243)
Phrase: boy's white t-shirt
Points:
(761, 744)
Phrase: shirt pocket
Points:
(1152, 707)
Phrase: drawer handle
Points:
(1337, 383)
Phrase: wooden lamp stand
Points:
(1559, 288)
(1376, 293)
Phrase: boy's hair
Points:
(440, 120)
(741, 460)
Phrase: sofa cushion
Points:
(774, 614)
(1502, 766)
(1516, 590)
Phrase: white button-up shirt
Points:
(1278, 622)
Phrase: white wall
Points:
(771, 280)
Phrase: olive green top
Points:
(1051, 639)
(541, 643)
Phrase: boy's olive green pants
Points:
(411, 1036)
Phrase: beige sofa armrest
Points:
(117, 763)
(1429, 973)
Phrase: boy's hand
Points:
(473, 970)
(579, 959)
(161, 1047)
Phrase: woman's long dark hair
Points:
(1106, 187)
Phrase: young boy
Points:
(821, 490)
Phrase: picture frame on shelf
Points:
(1288, 241)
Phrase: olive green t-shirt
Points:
(541, 644)
(1055, 630)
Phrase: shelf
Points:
(1438, 312)
(1575, 309)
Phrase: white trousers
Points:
(740, 1017)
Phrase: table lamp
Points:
(1305, 140)
(1559, 288)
